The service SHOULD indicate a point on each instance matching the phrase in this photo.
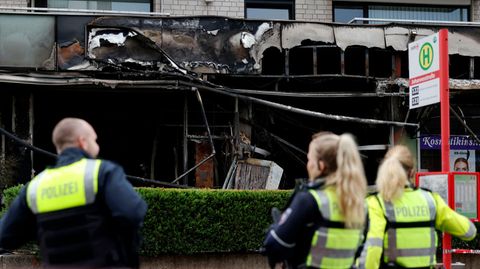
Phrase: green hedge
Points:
(8, 195)
(197, 221)
(192, 221)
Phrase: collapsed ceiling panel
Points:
(294, 33)
(370, 37)
(397, 37)
(464, 41)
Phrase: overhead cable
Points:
(226, 91)
(213, 88)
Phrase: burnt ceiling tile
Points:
(294, 33)
(370, 37)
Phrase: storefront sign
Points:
(456, 142)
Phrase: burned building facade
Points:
(186, 100)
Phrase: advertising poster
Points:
(462, 160)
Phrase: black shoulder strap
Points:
(332, 224)
(416, 224)
(425, 189)
(365, 232)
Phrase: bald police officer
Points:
(83, 210)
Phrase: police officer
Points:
(322, 227)
(403, 219)
(83, 211)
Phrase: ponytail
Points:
(392, 174)
(351, 182)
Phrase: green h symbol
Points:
(426, 56)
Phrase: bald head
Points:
(75, 132)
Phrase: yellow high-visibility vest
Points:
(414, 244)
(410, 237)
(64, 187)
(333, 246)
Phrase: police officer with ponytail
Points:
(83, 211)
(403, 219)
(324, 223)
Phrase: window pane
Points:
(126, 6)
(143, 6)
(26, 41)
(418, 13)
(268, 13)
(345, 14)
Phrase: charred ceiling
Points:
(261, 87)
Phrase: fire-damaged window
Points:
(346, 11)
(116, 5)
(270, 9)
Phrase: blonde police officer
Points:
(403, 219)
(323, 226)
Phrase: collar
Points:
(317, 183)
(410, 187)
(71, 155)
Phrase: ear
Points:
(321, 167)
(81, 142)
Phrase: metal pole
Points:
(154, 153)
(392, 128)
(185, 138)
(30, 131)
(445, 132)
(14, 114)
(236, 129)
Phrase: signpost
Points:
(424, 71)
(428, 72)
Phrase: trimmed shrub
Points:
(9, 195)
(193, 221)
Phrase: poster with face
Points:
(462, 160)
